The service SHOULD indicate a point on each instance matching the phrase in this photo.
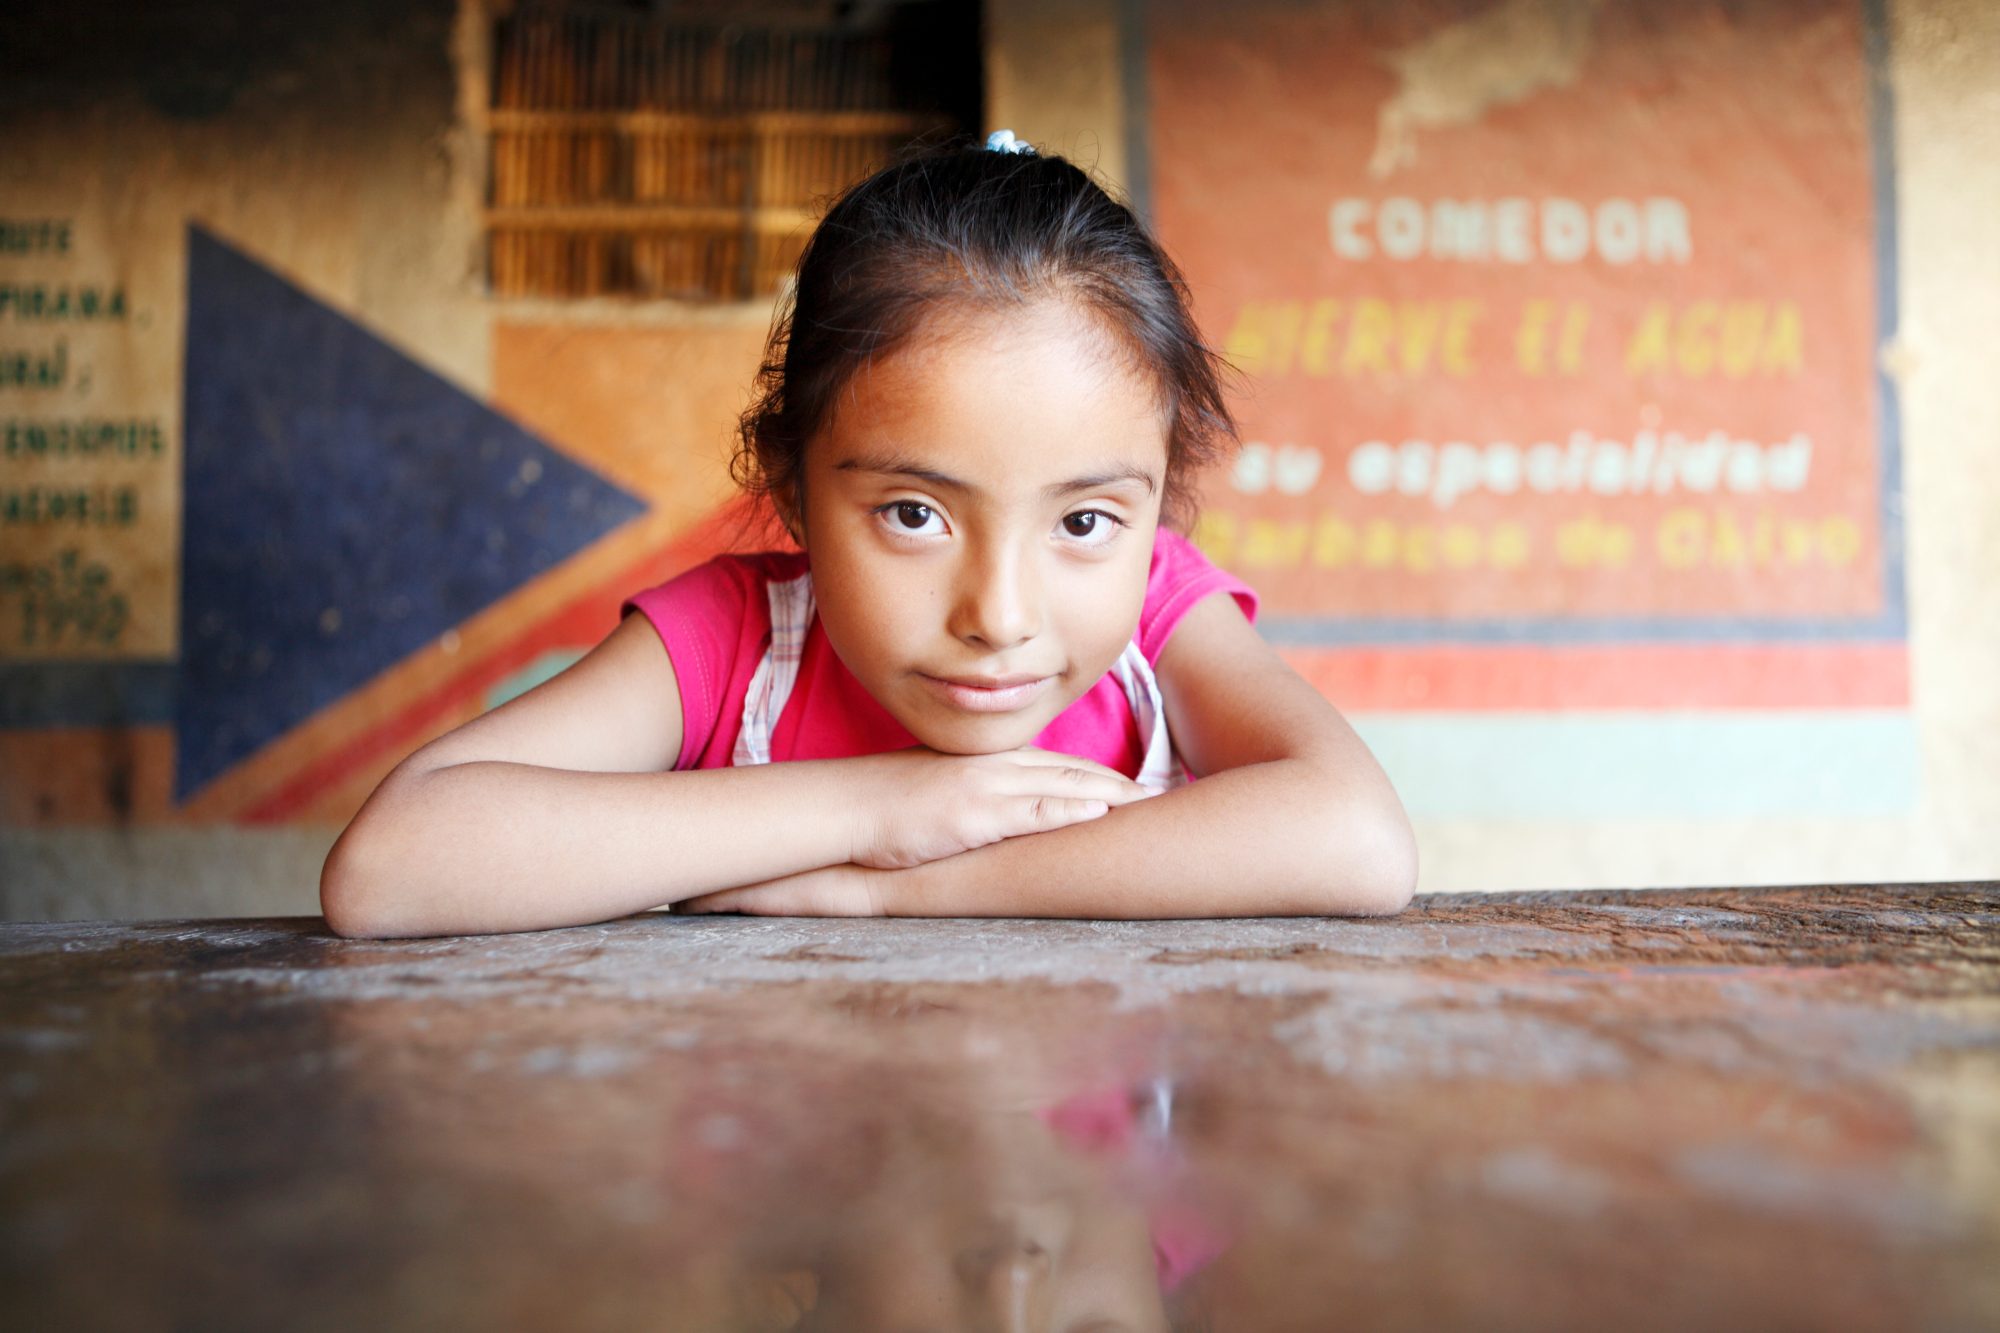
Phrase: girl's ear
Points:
(791, 513)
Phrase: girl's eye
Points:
(910, 518)
(1093, 527)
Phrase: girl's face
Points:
(980, 514)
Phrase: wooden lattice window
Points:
(643, 157)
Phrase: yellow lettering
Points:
(1531, 337)
(1285, 319)
(1682, 534)
(1839, 540)
(1273, 545)
(1591, 543)
(1694, 344)
(1379, 542)
(1736, 340)
(1569, 353)
(1763, 539)
(1784, 349)
(1418, 550)
(1215, 534)
(1646, 354)
(1509, 546)
(1316, 348)
(1615, 545)
(1726, 539)
(1458, 338)
(1417, 334)
(1333, 544)
(1248, 344)
(1368, 334)
(1742, 333)
(1390, 546)
(1576, 543)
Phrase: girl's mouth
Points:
(987, 694)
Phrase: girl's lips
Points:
(1003, 696)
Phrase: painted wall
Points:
(1615, 456)
(294, 494)
(249, 383)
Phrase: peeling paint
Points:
(1499, 57)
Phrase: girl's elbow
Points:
(366, 873)
(1379, 859)
(1394, 881)
(1397, 871)
(350, 892)
(340, 900)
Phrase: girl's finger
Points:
(1041, 761)
(1039, 814)
(1082, 784)
(1029, 756)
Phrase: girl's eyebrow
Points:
(896, 465)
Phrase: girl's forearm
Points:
(1284, 838)
(488, 846)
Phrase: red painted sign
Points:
(1560, 321)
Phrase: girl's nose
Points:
(1009, 1285)
(999, 602)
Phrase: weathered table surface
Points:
(1773, 1108)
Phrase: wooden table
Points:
(1754, 1108)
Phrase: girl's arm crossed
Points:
(552, 810)
(1294, 817)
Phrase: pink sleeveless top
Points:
(715, 621)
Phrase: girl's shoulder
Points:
(1179, 577)
(725, 585)
(713, 619)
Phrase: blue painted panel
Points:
(344, 507)
(1750, 765)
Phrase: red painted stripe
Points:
(1485, 677)
(1694, 675)
(583, 620)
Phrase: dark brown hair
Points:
(960, 226)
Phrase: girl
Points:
(989, 668)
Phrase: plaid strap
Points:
(1162, 767)
(791, 615)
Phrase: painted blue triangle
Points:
(344, 507)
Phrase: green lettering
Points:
(66, 601)
(35, 370)
(27, 236)
(84, 437)
(38, 302)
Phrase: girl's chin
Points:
(973, 734)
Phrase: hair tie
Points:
(1003, 141)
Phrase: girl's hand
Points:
(918, 805)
